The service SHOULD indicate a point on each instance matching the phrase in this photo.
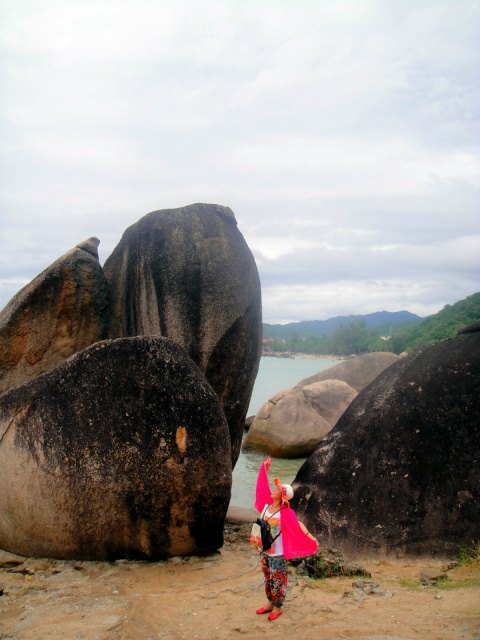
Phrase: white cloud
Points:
(343, 134)
(345, 297)
(356, 167)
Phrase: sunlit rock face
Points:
(121, 451)
(293, 422)
(357, 372)
(63, 310)
(401, 468)
(188, 274)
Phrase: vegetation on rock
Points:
(328, 563)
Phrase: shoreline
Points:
(294, 355)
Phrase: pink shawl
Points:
(296, 544)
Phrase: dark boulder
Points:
(118, 452)
(188, 274)
(401, 469)
(63, 310)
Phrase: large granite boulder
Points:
(188, 274)
(121, 451)
(63, 310)
(401, 468)
(357, 372)
(293, 422)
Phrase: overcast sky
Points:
(343, 134)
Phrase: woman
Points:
(291, 539)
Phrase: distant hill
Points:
(382, 331)
(444, 324)
(319, 328)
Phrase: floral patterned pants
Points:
(275, 573)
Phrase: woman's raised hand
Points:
(266, 463)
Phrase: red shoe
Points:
(263, 610)
(274, 616)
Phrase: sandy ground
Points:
(216, 597)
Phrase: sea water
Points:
(274, 374)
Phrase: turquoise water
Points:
(274, 374)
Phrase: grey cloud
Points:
(334, 131)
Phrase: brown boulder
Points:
(292, 423)
(188, 274)
(357, 371)
(62, 311)
(118, 452)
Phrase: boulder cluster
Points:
(124, 390)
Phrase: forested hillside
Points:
(444, 324)
(321, 328)
(355, 336)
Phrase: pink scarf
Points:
(296, 544)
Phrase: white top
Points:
(275, 527)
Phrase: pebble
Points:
(431, 576)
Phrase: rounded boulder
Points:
(61, 311)
(188, 274)
(293, 422)
(119, 452)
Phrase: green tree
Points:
(352, 338)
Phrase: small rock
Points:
(8, 564)
(355, 596)
(370, 587)
(367, 586)
(432, 576)
(248, 422)
(24, 571)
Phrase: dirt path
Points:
(215, 597)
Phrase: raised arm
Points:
(263, 492)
